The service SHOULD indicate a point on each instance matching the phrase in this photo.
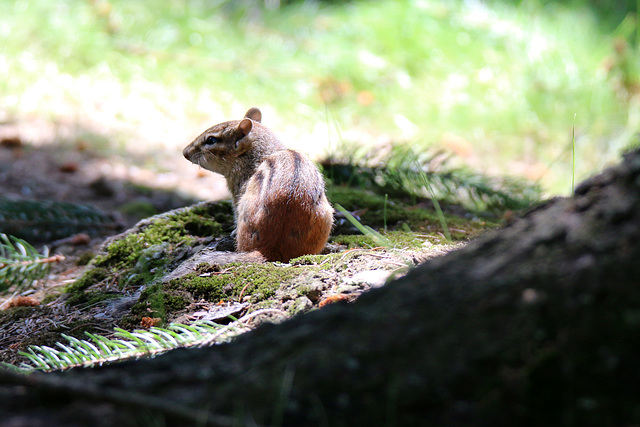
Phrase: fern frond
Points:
(20, 263)
(403, 172)
(41, 220)
(98, 349)
(473, 191)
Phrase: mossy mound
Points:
(137, 263)
(169, 268)
(140, 256)
(176, 228)
(251, 283)
(259, 281)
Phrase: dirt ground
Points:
(60, 165)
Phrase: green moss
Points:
(138, 260)
(165, 233)
(257, 280)
(155, 301)
(124, 253)
(77, 290)
(141, 258)
(211, 283)
(174, 302)
(355, 199)
(210, 289)
(90, 277)
(396, 239)
(178, 229)
(354, 241)
(310, 259)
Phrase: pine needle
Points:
(21, 264)
(403, 172)
(42, 220)
(97, 349)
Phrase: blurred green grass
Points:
(498, 84)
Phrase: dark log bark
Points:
(537, 323)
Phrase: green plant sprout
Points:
(384, 211)
(364, 229)
(439, 213)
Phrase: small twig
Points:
(260, 312)
(348, 251)
(242, 292)
(323, 262)
(430, 236)
(55, 258)
(388, 261)
(459, 231)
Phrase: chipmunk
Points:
(278, 194)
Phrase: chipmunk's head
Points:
(219, 147)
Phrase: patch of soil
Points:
(79, 176)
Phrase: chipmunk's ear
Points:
(254, 114)
(245, 126)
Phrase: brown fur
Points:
(278, 194)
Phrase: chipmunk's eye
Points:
(211, 140)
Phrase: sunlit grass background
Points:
(497, 84)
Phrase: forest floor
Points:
(41, 313)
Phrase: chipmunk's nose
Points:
(187, 152)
